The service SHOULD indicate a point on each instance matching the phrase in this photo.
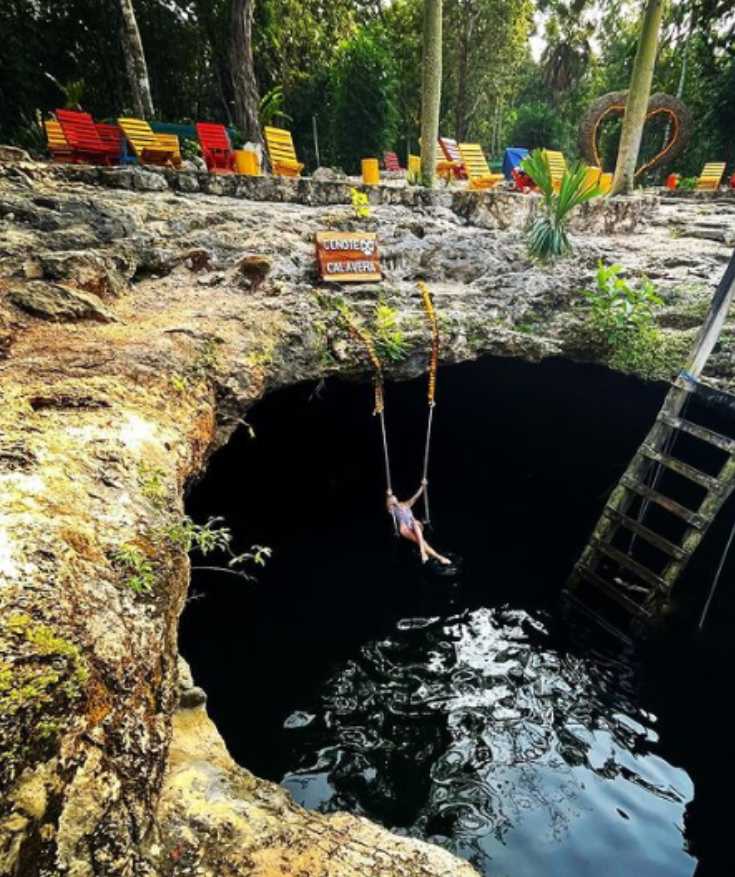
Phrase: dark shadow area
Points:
(522, 460)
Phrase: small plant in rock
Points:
(547, 236)
(360, 204)
(190, 149)
(389, 339)
(622, 321)
(141, 574)
(214, 537)
(200, 370)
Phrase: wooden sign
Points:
(348, 257)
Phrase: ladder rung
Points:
(692, 518)
(652, 538)
(634, 566)
(700, 432)
(682, 468)
(612, 592)
(581, 607)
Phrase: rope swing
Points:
(363, 337)
(433, 365)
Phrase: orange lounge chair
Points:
(57, 145)
(216, 148)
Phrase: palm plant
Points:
(548, 233)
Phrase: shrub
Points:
(621, 321)
(547, 235)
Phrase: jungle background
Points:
(354, 68)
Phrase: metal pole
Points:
(316, 141)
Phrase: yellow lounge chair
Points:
(149, 147)
(281, 153)
(711, 176)
(57, 143)
(171, 141)
(557, 166)
(478, 172)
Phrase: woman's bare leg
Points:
(440, 557)
(418, 530)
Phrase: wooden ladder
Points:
(609, 569)
(612, 571)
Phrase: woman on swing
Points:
(409, 527)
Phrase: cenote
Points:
(463, 711)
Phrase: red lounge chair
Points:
(391, 162)
(216, 148)
(112, 138)
(83, 138)
(450, 148)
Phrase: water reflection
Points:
(479, 733)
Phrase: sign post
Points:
(348, 257)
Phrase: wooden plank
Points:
(694, 519)
(682, 468)
(645, 533)
(700, 432)
(612, 592)
(623, 559)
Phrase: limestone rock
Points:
(328, 175)
(52, 301)
(216, 817)
(119, 780)
(13, 154)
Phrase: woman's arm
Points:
(411, 502)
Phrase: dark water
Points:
(460, 710)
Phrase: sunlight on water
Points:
(477, 733)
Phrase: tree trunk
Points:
(638, 97)
(431, 89)
(460, 116)
(242, 69)
(140, 86)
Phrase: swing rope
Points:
(363, 337)
(433, 364)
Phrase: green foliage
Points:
(200, 370)
(390, 342)
(271, 108)
(547, 236)
(152, 484)
(621, 321)
(136, 566)
(687, 183)
(363, 94)
(205, 538)
(537, 126)
(190, 149)
(360, 203)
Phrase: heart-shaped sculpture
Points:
(613, 104)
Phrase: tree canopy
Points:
(352, 69)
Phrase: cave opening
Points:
(458, 710)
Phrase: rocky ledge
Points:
(136, 329)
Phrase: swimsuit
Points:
(403, 516)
